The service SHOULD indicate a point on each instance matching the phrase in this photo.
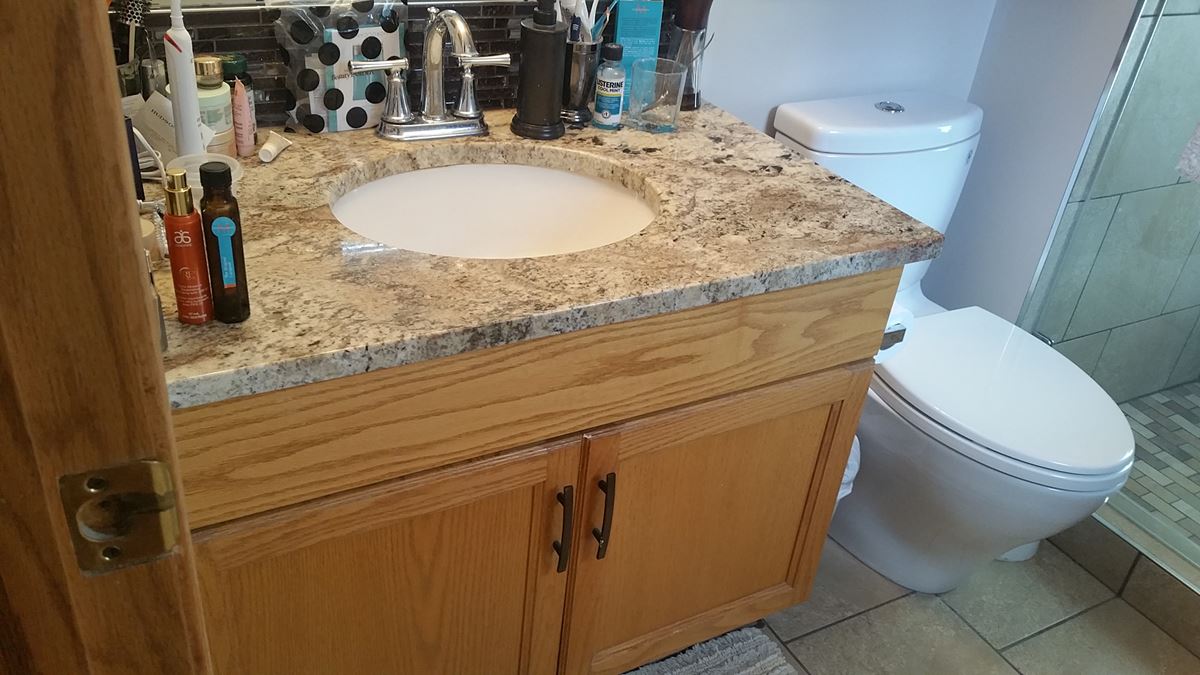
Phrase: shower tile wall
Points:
(1124, 303)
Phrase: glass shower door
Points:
(1119, 290)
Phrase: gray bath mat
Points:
(746, 651)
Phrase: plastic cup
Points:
(191, 164)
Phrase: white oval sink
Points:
(493, 211)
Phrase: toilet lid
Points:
(993, 383)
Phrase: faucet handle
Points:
(469, 60)
(396, 108)
(468, 106)
(358, 67)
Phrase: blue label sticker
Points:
(223, 228)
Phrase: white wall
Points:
(1042, 72)
(769, 52)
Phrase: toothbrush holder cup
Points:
(579, 87)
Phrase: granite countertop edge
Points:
(218, 386)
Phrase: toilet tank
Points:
(910, 149)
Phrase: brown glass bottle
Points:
(223, 242)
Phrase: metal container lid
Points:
(208, 71)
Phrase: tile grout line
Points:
(1129, 574)
(1060, 622)
(971, 626)
(1182, 268)
(1155, 624)
(1092, 267)
(1116, 594)
(1191, 333)
(847, 618)
(787, 650)
(1127, 324)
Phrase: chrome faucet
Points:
(436, 120)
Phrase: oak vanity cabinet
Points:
(662, 532)
(451, 572)
(379, 523)
(698, 521)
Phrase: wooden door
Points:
(454, 571)
(81, 380)
(718, 514)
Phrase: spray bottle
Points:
(185, 98)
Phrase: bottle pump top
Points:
(544, 15)
(179, 195)
(542, 71)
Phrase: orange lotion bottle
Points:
(185, 244)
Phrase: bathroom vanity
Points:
(577, 463)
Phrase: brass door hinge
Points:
(120, 516)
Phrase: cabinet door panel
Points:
(452, 572)
(719, 513)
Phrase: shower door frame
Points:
(1029, 308)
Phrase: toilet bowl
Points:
(1000, 443)
(976, 437)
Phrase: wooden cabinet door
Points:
(454, 571)
(718, 514)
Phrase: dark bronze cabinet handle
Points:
(608, 485)
(563, 546)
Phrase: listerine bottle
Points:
(610, 88)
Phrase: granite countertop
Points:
(738, 215)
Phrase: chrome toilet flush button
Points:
(889, 107)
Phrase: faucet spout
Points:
(462, 43)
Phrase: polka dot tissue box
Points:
(318, 42)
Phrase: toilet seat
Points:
(999, 396)
(1073, 482)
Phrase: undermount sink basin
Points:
(493, 211)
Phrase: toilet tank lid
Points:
(879, 123)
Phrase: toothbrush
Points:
(598, 28)
(587, 17)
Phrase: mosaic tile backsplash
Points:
(496, 27)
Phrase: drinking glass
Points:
(655, 93)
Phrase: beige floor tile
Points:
(915, 634)
(1112, 638)
(1166, 601)
(1099, 550)
(1006, 602)
(843, 587)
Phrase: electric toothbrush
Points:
(185, 97)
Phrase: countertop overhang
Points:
(738, 215)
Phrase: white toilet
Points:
(977, 438)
